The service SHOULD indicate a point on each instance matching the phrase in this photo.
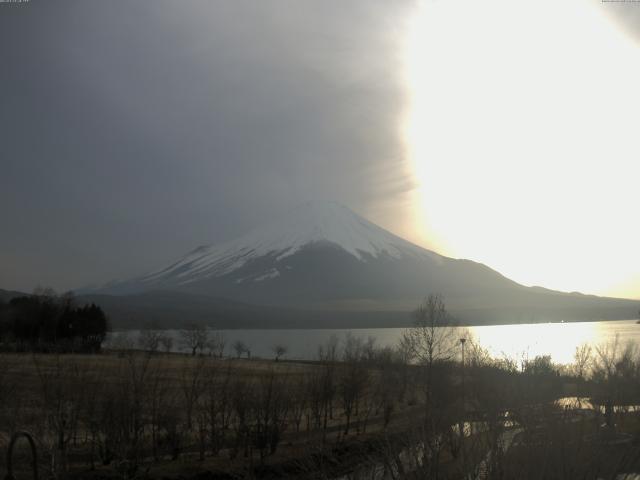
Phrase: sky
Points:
(500, 131)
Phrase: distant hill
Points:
(6, 295)
(322, 264)
(167, 309)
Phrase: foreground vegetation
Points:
(357, 411)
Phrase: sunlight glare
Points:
(522, 133)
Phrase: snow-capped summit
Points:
(313, 223)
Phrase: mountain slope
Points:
(311, 224)
(324, 257)
(320, 251)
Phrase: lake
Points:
(559, 340)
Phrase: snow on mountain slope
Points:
(311, 223)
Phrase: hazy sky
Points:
(135, 131)
(501, 131)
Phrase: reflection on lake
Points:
(556, 339)
(514, 341)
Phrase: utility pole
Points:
(462, 342)
(463, 419)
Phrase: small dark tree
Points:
(240, 347)
(216, 344)
(167, 343)
(149, 340)
(194, 338)
(279, 351)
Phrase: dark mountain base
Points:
(175, 310)
(168, 309)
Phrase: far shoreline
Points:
(371, 327)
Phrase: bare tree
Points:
(299, 392)
(616, 375)
(315, 386)
(90, 414)
(8, 389)
(385, 387)
(369, 348)
(216, 344)
(279, 350)
(270, 412)
(240, 347)
(120, 341)
(476, 354)
(170, 422)
(350, 386)
(242, 397)
(329, 351)
(167, 342)
(158, 388)
(432, 342)
(131, 421)
(194, 338)
(149, 340)
(433, 336)
(216, 404)
(62, 396)
(191, 383)
(582, 359)
(325, 390)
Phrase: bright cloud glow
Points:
(523, 136)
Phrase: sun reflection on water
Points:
(559, 340)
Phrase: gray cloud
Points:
(133, 131)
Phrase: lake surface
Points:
(559, 340)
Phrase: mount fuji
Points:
(324, 260)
